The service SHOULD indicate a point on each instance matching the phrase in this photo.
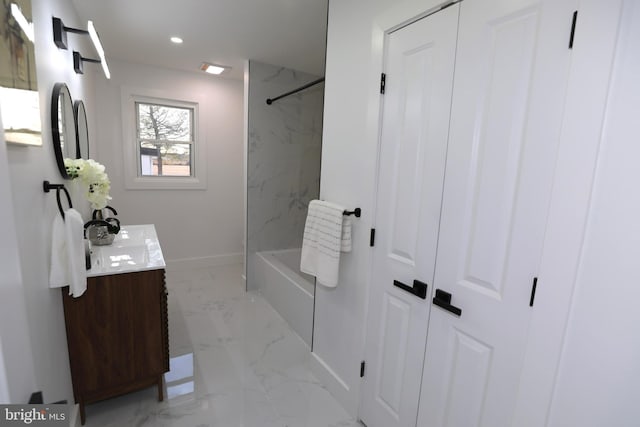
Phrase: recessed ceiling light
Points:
(176, 40)
(212, 68)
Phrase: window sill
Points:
(165, 183)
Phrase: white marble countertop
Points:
(135, 248)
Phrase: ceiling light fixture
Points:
(60, 39)
(213, 68)
(96, 42)
(78, 60)
(26, 26)
(176, 40)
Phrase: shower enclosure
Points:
(283, 175)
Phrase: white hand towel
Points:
(324, 238)
(74, 233)
(67, 254)
(58, 272)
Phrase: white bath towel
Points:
(327, 232)
(67, 253)
(345, 240)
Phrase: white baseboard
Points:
(203, 262)
(336, 386)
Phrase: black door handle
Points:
(419, 288)
(443, 300)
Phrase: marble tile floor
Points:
(234, 363)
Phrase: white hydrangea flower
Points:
(93, 178)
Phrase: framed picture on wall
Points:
(19, 100)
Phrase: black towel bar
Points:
(313, 83)
(47, 187)
(357, 212)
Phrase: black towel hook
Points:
(47, 186)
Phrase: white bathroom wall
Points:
(33, 212)
(4, 380)
(283, 165)
(204, 225)
(17, 379)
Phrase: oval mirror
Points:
(63, 128)
(82, 131)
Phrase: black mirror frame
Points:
(55, 130)
(76, 115)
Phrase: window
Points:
(164, 139)
(163, 147)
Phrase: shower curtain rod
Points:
(313, 83)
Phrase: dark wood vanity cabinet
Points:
(117, 334)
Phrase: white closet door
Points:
(419, 66)
(511, 69)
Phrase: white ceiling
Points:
(289, 33)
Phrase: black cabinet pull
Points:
(419, 288)
(443, 300)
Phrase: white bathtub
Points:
(287, 289)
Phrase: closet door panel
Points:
(419, 64)
(512, 64)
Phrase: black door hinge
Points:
(573, 29)
(372, 237)
(383, 82)
(533, 291)
(362, 369)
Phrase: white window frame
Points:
(131, 150)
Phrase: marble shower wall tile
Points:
(283, 170)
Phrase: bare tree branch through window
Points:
(166, 138)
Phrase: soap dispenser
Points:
(101, 230)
